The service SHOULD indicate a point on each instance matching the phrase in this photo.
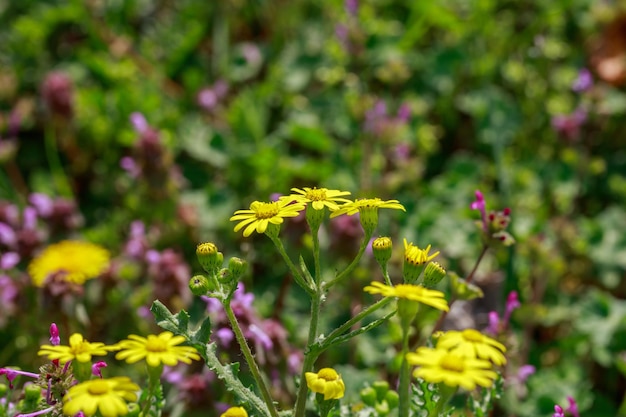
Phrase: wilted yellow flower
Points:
(473, 344)
(156, 350)
(76, 261)
(411, 292)
(79, 349)
(326, 381)
(454, 370)
(319, 197)
(108, 396)
(261, 214)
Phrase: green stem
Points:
(58, 174)
(309, 355)
(306, 284)
(254, 369)
(316, 255)
(445, 394)
(404, 386)
(354, 263)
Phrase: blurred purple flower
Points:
(404, 113)
(96, 368)
(558, 411)
(352, 7)
(153, 256)
(209, 97)
(402, 151)
(139, 122)
(572, 408)
(512, 303)
(137, 245)
(568, 125)
(257, 333)
(57, 91)
(225, 336)
(42, 203)
(7, 235)
(494, 323)
(251, 53)
(479, 204)
(8, 260)
(29, 221)
(583, 82)
(55, 339)
(129, 165)
(524, 372)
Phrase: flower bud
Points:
(200, 285)
(133, 410)
(208, 256)
(225, 276)
(381, 388)
(433, 274)
(368, 396)
(237, 267)
(32, 393)
(381, 247)
(392, 398)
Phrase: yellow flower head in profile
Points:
(411, 292)
(473, 344)
(319, 197)
(156, 350)
(77, 261)
(360, 205)
(108, 396)
(327, 381)
(235, 412)
(261, 214)
(417, 256)
(454, 370)
(79, 349)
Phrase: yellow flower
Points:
(319, 197)
(417, 256)
(473, 344)
(261, 214)
(105, 395)
(156, 349)
(79, 349)
(359, 205)
(411, 292)
(77, 261)
(235, 412)
(327, 381)
(440, 365)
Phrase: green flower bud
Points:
(32, 393)
(314, 217)
(433, 274)
(200, 285)
(368, 396)
(382, 408)
(382, 250)
(133, 410)
(381, 388)
(225, 276)
(208, 256)
(392, 398)
(237, 267)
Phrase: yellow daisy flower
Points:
(327, 381)
(235, 412)
(77, 261)
(108, 396)
(156, 350)
(411, 292)
(473, 344)
(319, 197)
(261, 214)
(417, 256)
(454, 370)
(79, 349)
(359, 205)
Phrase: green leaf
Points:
(164, 318)
(183, 321)
(203, 334)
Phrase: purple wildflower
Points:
(569, 125)
(512, 303)
(55, 340)
(572, 408)
(494, 323)
(42, 203)
(37, 413)
(558, 411)
(479, 204)
(9, 260)
(139, 122)
(225, 336)
(583, 82)
(352, 7)
(129, 165)
(57, 91)
(524, 372)
(96, 368)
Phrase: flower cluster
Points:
(460, 359)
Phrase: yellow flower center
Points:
(83, 346)
(316, 194)
(328, 374)
(452, 363)
(265, 210)
(472, 335)
(382, 243)
(154, 344)
(98, 387)
(207, 248)
(369, 202)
